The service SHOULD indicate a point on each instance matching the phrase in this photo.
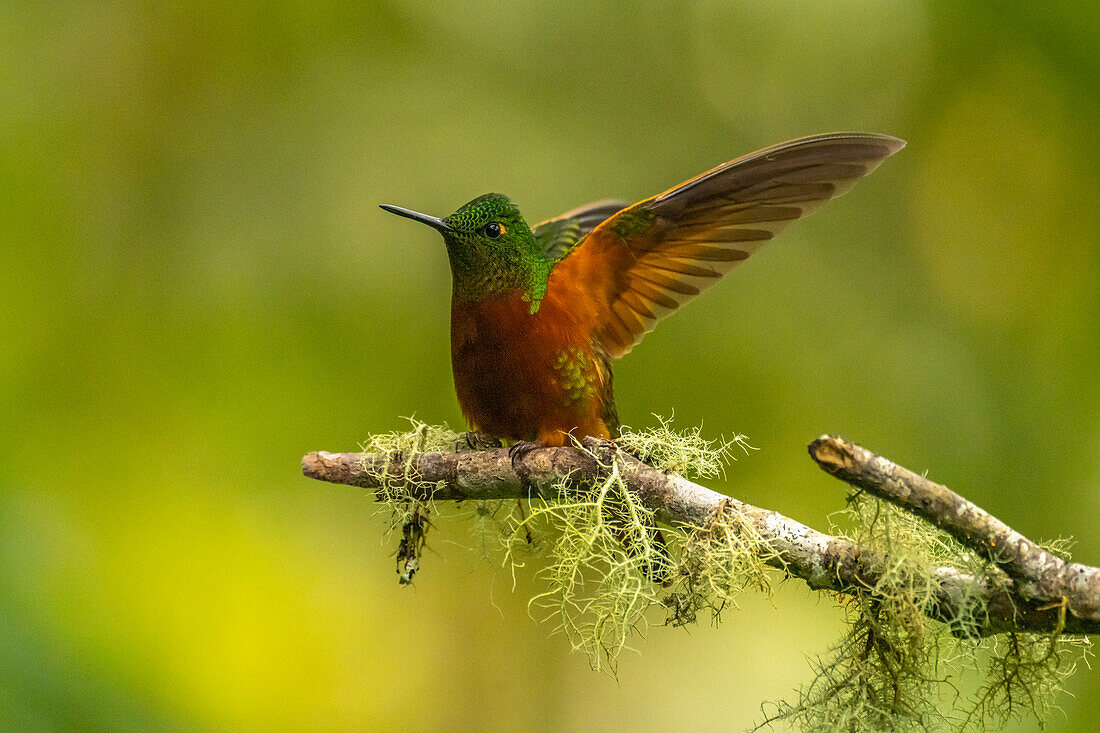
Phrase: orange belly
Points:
(529, 376)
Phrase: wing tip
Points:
(895, 144)
(890, 142)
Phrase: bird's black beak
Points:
(433, 221)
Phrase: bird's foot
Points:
(478, 441)
(521, 448)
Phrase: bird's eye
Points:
(492, 230)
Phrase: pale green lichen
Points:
(608, 551)
(394, 495)
(598, 577)
(894, 670)
(400, 449)
(489, 522)
(898, 670)
(685, 452)
(719, 561)
(1022, 676)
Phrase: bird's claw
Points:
(479, 441)
(521, 448)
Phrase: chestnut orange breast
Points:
(531, 376)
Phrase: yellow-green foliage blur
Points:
(198, 288)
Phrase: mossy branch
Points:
(1039, 574)
(1030, 597)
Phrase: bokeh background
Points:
(198, 288)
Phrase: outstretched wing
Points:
(558, 236)
(660, 253)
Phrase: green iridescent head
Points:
(491, 248)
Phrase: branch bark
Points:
(823, 561)
(1039, 575)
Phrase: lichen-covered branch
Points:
(821, 560)
(1039, 575)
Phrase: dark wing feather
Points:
(558, 236)
(662, 252)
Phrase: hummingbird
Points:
(539, 314)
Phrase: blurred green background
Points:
(199, 288)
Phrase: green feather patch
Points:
(557, 238)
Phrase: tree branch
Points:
(823, 561)
(1038, 574)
